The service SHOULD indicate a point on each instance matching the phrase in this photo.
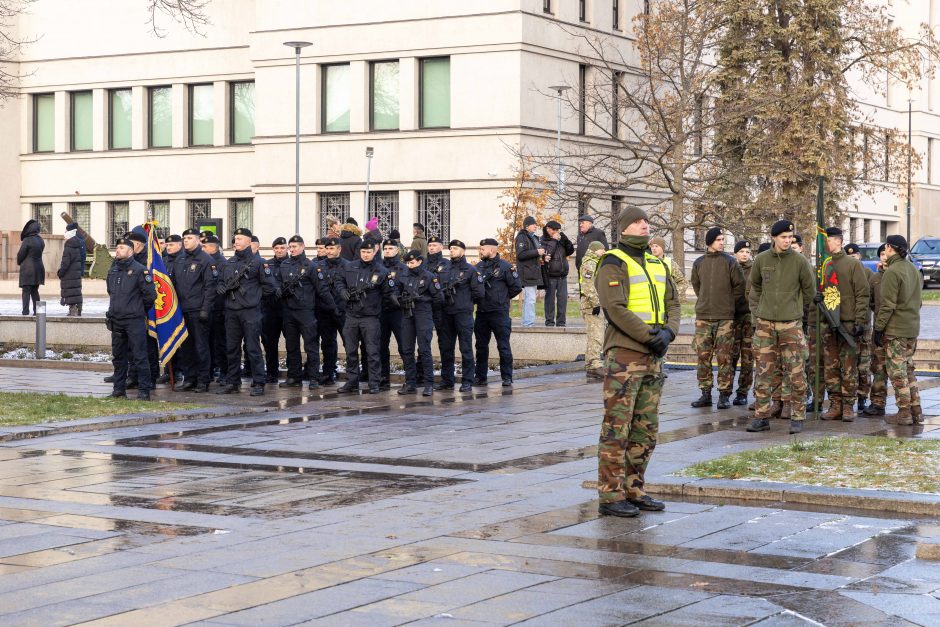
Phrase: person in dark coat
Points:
(29, 259)
(587, 233)
(529, 253)
(557, 250)
(71, 269)
(349, 238)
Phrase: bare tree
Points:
(190, 13)
(10, 45)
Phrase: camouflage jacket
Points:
(589, 298)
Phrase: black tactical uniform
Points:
(195, 279)
(419, 291)
(363, 287)
(331, 324)
(463, 287)
(243, 280)
(153, 352)
(303, 290)
(272, 321)
(169, 262)
(217, 324)
(391, 315)
(132, 293)
(502, 284)
(438, 266)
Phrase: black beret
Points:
(529, 221)
(798, 239)
(295, 239)
(278, 241)
(434, 239)
(330, 241)
(457, 243)
(881, 249)
(192, 232)
(712, 234)
(124, 241)
(851, 249)
(489, 241)
(204, 234)
(553, 224)
(352, 221)
(394, 234)
(367, 243)
(389, 242)
(418, 226)
(764, 246)
(242, 231)
(411, 255)
(319, 242)
(780, 226)
(743, 243)
(833, 231)
(897, 242)
(136, 237)
(212, 239)
(255, 240)
(173, 238)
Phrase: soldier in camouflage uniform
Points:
(743, 329)
(897, 327)
(782, 288)
(879, 375)
(864, 342)
(658, 248)
(591, 311)
(642, 308)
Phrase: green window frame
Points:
(81, 121)
(160, 117)
(384, 101)
(242, 107)
(120, 118)
(435, 92)
(43, 122)
(201, 114)
(335, 98)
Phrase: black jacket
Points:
(131, 289)
(29, 257)
(70, 271)
(528, 262)
(243, 279)
(349, 239)
(330, 268)
(195, 277)
(396, 268)
(422, 288)
(304, 286)
(560, 250)
(501, 284)
(364, 288)
(584, 240)
(219, 259)
(463, 287)
(436, 264)
(271, 301)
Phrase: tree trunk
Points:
(678, 230)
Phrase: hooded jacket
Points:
(349, 239)
(29, 257)
(70, 271)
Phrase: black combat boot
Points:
(739, 399)
(257, 390)
(407, 389)
(862, 403)
(618, 508)
(428, 390)
(724, 400)
(759, 424)
(705, 400)
(874, 410)
(229, 388)
(466, 387)
(291, 383)
(350, 387)
(796, 426)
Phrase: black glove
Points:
(859, 330)
(344, 295)
(659, 343)
(203, 315)
(278, 293)
(818, 298)
(878, 338)
(596, 311)
(108, 324)
(220, 290)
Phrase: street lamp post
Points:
(560, 184)
(370, 151)
(297, 46)
(909, 173)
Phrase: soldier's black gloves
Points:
(878, 338)
(220, 289)
(659, 344)
(110, 325)
(818, 298)
(278, 293)
(203, 315)
(344, 295)
(596, 311)
(860, 330)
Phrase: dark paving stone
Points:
(720, 611)
(837, 610)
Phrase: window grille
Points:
(198, 210)
(384, 206)
(159, 211)
(333, 204)
(42, 213)
(118, 221)
(434, 213)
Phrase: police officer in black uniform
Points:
(272, 320)
(173, 249)
(303, 290)
(132, 293)
(419, 291)
(437, 265)
(330, 325)
(242, 281)
(391, 314)
(501, 283)
(195, 279)
(363, 285)
(138, 237)
(211, 244)
(463, 287)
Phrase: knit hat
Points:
(529, 221)
(711, 235)
(372, 224)
(352, 221)
(629, 215)
(659, 242)
(741, 243)
(71, 226)
(881, 249)
(798, 239)
(595, 245)
(780, 226)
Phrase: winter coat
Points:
(29, 257)
(560, 250)
(349, 239)
(70, 271)
(584, 240)
(718, 282)
(528, 260)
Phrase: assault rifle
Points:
(450, 289)
(233, 284)
(408, 303)
(289, 286)
(835, 325)
(355, 295)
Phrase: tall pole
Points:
(369, 152)
(560, 184)
(909, 151)
(297, 45)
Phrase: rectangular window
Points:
(866, 236)
(82, 116)
(435, 92)
(335, 205)
(241, 213)
(242, 107)
(434, 213)
(582, 97)
(198, 210)
(853, 229)
(930, 160)
(42, 213)
(646, 7)
(81, 214)
(884, 231)
(43, 122)
(159, 212)
(615, 21)
(118, 221)
(582, 10)
(547, 6)
(119, 119)
(160, 105)
(336, 95)
(384, 206)
(201, 115)
(385, 107)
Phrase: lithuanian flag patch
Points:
(613, 283)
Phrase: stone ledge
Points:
(928, 549)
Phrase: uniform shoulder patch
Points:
(147, 277)
(613, 283)
(480, 278)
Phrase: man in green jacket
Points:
(864, 342)
(879, 375)
(897, 327)
(782, 290)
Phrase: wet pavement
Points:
(462, 509)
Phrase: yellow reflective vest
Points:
(647, 286)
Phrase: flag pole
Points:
(820, 241)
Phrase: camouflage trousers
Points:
(864, 364)
(780, 345)
(714, 338)
(879, 377)
(840, 367)
(899, 362)
(594, 332)
(632, 388)
(811, 359)
(744, 351)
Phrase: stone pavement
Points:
(463, 509)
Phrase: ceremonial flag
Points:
(165, 319)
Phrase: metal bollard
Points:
(40, 352)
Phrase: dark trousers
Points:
(153, 359)
(129, 345)
(556, 298)
(493, 323)
(329, 325)
(419, 329)
(217, 341)
(30, 293)
(272, 325)
(391, 322)
(243, 324)
(301, 323)
(437, 315)
(366, 331)
(457, 327)
(195, 361)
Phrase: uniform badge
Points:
(320, 275)
(480, 278)
(515, 274)
(391, 282)
(421, 282)
(375, 278)
(215, 272)
(192, 267)
(302, 270)
(613, 283)
(148, 278)
(130, 272)
(267, 270)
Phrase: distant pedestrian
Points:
(658, 248)
(373, 232)
(591, 312)
(557, 250)
(879, 373)
(29, 259)
(529, 266)
(349, 239)
(71, 270)
(743, 328)
(419, 240)
(587, 233)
